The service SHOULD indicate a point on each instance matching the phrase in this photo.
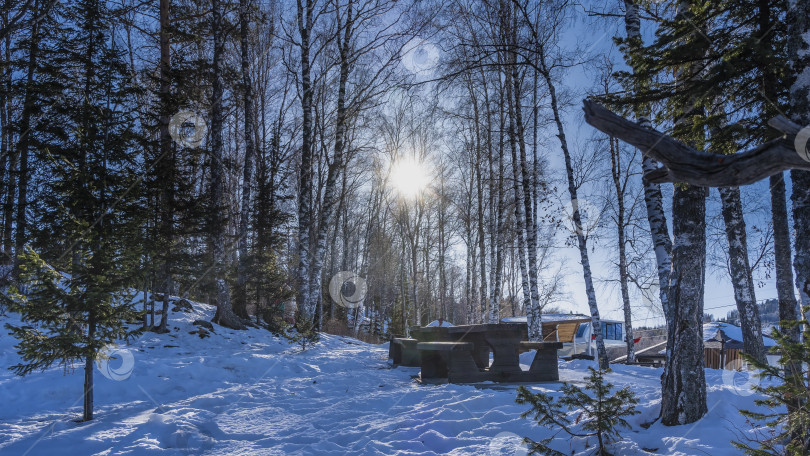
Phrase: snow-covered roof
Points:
(732, 332)
(436, 323)
(547, 318)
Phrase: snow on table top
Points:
(435, 323)
(249, 393)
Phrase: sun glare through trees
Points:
(326, 227)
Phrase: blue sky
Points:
(595, 36)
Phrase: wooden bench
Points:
(544, 365)
(449, 362)
(404, 352)
(394, 349)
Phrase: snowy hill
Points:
(249, 393)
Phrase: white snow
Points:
(249, 393)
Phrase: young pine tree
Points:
(787, 398)
(303, 332)
(600, 416)
(65, 323)
(90, 202)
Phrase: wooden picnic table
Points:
(431, 334)
(502, 338)
(460, 354)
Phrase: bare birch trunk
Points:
(345, 34)
(305, 20)
(497, 213)
(653, 199)
(224, 315)
(798, 47)
(442, 222)
(535, 327)
(782, 255)
(740, 270)
(621, 224)
(166, 170)
(577, 219)
(479, 185)
(250, 133)
(518, 189)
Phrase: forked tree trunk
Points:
(535, 327)
(542, 66)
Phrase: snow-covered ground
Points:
(249, 393)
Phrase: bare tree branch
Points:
(686, 164)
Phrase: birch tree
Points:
(541, 36)
(799, 111)
(224, 315)
(251, 139)
(653, 199)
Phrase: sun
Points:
(409, 178)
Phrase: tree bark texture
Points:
(740, 270)
(224, 315)
(250, 133)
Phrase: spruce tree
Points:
(728, 58)
(600, 414)
(73, 298)
(787, 397)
